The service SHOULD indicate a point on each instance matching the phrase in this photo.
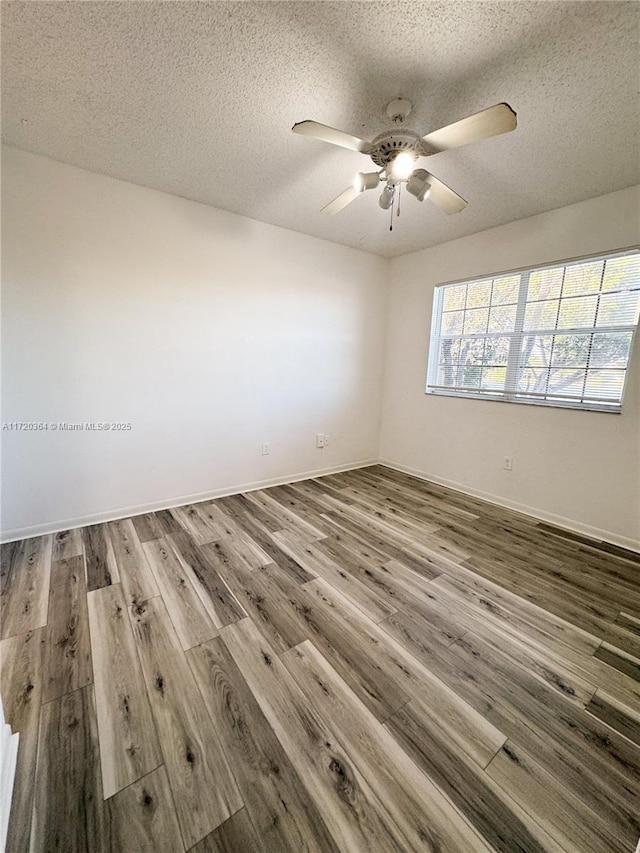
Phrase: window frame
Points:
(516, 338)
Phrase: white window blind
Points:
(557, 335)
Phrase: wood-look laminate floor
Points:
(361, 662)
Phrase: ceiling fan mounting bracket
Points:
(398, 110)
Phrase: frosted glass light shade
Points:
(386, 197)
(366, 181)
(418, 184)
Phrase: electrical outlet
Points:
(265, 448)
(507, 463)
(326, 440)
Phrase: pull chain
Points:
(399, 196)
(393, 201)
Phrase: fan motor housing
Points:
(386, 145)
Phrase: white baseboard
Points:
(127, 512)
(539, 514)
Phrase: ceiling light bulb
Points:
(402, 165)
(366, 181)
(418, 184)
(386, 197)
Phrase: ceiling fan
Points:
(396, 151)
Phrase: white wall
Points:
(581, 469)
(209, 332)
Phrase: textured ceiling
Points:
(198, 99)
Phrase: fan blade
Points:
(329, 134)
(444, 196)
(491, 122)
(340, 201)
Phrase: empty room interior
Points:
(320, 427)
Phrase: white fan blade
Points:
(444, 196)
(340, 201)
(329, 134)
(491, 122)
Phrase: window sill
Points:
(613, 409)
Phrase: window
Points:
(557, 335)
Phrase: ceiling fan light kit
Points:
(366, 181)
(386, 199)
(396, 151)
(418, 184)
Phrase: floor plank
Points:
(129, 746)
(147, 527)
(194, 523)
(68, 810)
(420, 632)
(503, 824)
(631, 623)
(356, 647)
(585, 758)
(425, 817)
(203, 787)
(240, 513)
(464, 725)
(68, 543)
(282, 517)
(618, 659)
(188, 614)
(67, 648)
(624, 719)
(167, 522)
(257, 596)
(284, 816)
(351, 810)
(138, 582)
(234, 835)
(551, 804)
(226, 529)
(24, 585)
(141, 817)
(101, 562)
(492, 603)
(370, 602)
(365, 542)
(620, 637)
(224, 607)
